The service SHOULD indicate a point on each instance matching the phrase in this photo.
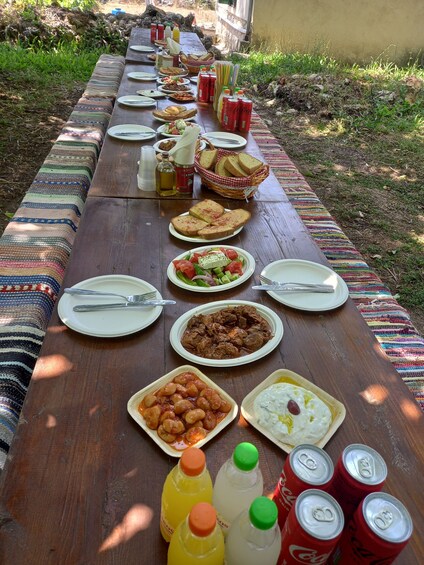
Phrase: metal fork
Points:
(133, 133)
(132, 298)
(266, 280)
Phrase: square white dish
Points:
(136, 399)
(337, 409)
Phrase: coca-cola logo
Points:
(285, 493)
(307, 555)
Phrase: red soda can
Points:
(203, 88)
(161, 32)
(212, 81)
(230, 114)
(153, 32)
(184, 178)
(306, 466)
(245, 114)
(359, 471)
(377, 533)
(312, 529)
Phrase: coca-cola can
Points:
(161, 32)
(312, 529)
(212, 82)
(245, 114)
(230, 114)
(153, 32)
(184, 178)
(379, 530)
(359, 471)
(306, 466)
(203, 87)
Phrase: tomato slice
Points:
(186, 267)
(235, 267)
(230, 253)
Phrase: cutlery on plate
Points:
(144, 304)
(292, 288)
(267, 281)
(133, 298)
(134, 133)
(225, 139)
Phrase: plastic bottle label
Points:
(225, 525)
(165, 527)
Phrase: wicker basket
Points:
(193, 65)
(238, 188)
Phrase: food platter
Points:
(182, 97)
(337, 409)
(170, 90)
(162, 130)
(178, 235)
(180, 325)
(108, 323)
(164, 80)
(135, 400)
(248, 269)
(157, 147)
(299, 270)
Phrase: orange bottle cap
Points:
(192, 461)
(202, 519)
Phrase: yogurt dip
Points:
(292, 414)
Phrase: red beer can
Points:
(306, 466)
(377, 533)
(161, 32)
(230, 114)
(312, 529)
(153, 32)
(245, 114)
(184, 178)
(359, 471)
(203, 87)
(212, 81)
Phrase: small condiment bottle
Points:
(165, 177)
(176, 33)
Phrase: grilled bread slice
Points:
(213, 232)
(233, 219)
(188, 225)
(208, 158)
(207, 210)
(248, 163)
(232, 166)
(220, 168)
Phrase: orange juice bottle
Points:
(188, 483)
(198, 539)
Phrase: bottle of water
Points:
(168, 31)
(254, 537)
(237, 484)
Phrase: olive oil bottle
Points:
(165, 177)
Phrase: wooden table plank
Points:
(83, 481)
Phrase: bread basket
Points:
(193, 65)
(238, 188)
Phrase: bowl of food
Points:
(174, 129)
(290, 410)
(184, 408)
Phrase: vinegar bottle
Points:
(166, 177)
(254, 537)
(188, 483)
(237, 484)
(198, 539)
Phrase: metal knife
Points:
(286, 288)
(115, 306)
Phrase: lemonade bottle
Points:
(198, 539)
(189, 482)
(238, 482)
(176, 33)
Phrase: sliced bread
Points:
(234, 219)
(213, 232)
(208, 158)
(220, 168)
(188, 225)
(207, 210)
(248, 163)
(233, 167)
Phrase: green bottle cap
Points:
(245, 456)
(263, 513)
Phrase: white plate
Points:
(153, 93)
(249, 267)
(337, 409)
(167, 90)
(180, 325)
(162, 80)
(108, 323)
(162, 132)
(135, 400)
(178, 235)
(143, 48)
(193, 80)
(137, 101)
(173, 120)
(298, 270)
(183, 73)
(150, 77)
(225, 135)
(157, 144)
(132, 128)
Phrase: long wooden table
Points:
(83, 482)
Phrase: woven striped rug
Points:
(389, 322)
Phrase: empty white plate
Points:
(137, 101)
